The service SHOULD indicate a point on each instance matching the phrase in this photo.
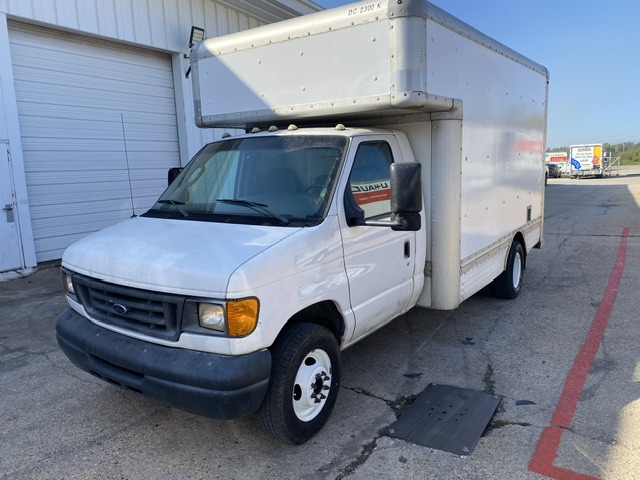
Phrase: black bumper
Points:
(216, 386)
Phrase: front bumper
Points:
(209, 384)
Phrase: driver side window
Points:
(369, 180)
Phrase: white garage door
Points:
(87, 108)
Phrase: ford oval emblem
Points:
(120, 309)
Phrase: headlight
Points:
(211, 316)
(67, 285)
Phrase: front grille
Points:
(143, 311)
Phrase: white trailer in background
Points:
(395, 158)
(586, 160)
(560, 159)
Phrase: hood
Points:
(171, 256)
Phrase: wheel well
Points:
(323, 313)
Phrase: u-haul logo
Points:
(371, 192)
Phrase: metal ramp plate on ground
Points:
(446, 418)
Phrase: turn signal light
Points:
(242, 317)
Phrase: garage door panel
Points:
(97, 207)
(151, 74)
(53, 178)
(93, 191)
(119, 188)
(98, 222)
(108, 115)
(96, 130)
(81, 161)
(80, 96)
(52, 71)
(121, 83)
(71, 92)
(57, 145)
(30, 43)
(49, 247)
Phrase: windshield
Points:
(269, 180)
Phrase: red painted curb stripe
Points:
(545, 454)
(547, 448)
(577, 377)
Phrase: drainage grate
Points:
(446, 418)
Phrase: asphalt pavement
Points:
(563, 356)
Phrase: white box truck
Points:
(586, 160)
(394, 157)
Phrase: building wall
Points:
(161, 25)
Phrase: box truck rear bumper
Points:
(216, 386)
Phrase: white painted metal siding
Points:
(71, 93)
(163, 24)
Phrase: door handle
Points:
(407, 249)
(8, 208)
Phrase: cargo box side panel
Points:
(296, 78)
(504, 123)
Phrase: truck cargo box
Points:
(363, 60)
(475, 112)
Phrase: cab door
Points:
(379, 261)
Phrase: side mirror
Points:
(172, 174)
(406, 188)
(406, 195)
(406, 200)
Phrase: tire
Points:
(509, 283)
(305, 379)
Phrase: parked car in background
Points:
(554, 170)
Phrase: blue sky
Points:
(592, 51)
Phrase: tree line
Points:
(629, 152)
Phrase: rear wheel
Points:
(305, 378)
(509, 283)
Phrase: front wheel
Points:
(509, 283)
(305, 378)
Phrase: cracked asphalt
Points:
(58, 422)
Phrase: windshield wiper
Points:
(258, 207)
(175, 204)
